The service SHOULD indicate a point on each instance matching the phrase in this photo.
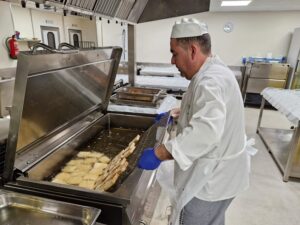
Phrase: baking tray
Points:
(139, 94)
(17, 209)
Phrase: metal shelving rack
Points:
(284, 145)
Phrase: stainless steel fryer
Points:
(59, 108)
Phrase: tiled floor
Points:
(269, 200)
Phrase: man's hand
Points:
(175, 113)
(149, 160)
(161, 115)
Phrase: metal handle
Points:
(50, 49)
(64, 44)
(142, 222)
(41, 45)
(157, 96)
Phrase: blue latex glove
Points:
(161, 115)
(149, 160)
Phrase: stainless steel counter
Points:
(284, 145)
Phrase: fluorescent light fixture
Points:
(235, 3)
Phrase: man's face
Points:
(181, 58)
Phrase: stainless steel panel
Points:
(108, 8)
(158, 9)
(6, 95)
(278, 142)
(271, 71)
(131, 54)
(16, 209)
(91, 4)
(137, 10)
(54, 90)
(296, 77)
(257, 85)
(125, 8)
(293, 54)
(54, 98)
(88, 4)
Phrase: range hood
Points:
(133, 11)
(162, 9)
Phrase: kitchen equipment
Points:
(259, 75)
(16, 209)
(138, 94)
(127, 102)
(59, 109)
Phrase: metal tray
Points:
(119, 101)
(16, 209)
(139, 94)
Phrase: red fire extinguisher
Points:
(13, 47)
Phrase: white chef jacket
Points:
(211, 161)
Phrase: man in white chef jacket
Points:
(211, 161)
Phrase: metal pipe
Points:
(48, 48)
(263, 101)
(131, 54)
(41, 45)
(293, 150)
(64, 44)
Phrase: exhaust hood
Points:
(133, 11)
(158, 9)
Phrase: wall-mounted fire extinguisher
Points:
(12, 47)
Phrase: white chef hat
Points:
(188, 27)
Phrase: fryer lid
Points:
(54, 91)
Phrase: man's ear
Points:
(193, 51)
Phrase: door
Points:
(75, 38)
(50, 36)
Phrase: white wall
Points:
(254, 34)
(111, 34)
(20, 19)
(42, 18)
(87, 27)
(99, 33)
(6, 30)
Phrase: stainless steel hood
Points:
(134, 11)
(162, 9)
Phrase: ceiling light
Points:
(235, 3)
